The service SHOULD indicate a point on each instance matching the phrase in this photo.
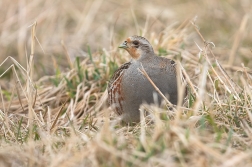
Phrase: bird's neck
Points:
(143, 57)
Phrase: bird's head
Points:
(137, 47)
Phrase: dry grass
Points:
(53, 108)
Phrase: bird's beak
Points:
(123, 45)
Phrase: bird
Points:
(128, 88)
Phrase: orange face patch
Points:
(128, 40)
(134, 53)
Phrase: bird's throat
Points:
(134, 53)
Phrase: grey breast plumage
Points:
(136, 89)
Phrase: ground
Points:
(57, 58)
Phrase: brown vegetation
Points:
(57, 57)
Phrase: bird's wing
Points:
(118, 72)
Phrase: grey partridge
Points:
(129, 88)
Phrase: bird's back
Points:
(138, 88)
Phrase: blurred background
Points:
(75, 26)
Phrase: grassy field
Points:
(57, 57)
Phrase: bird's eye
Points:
(135, 42)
